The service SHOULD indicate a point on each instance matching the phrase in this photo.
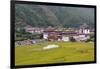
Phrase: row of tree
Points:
(22, 35)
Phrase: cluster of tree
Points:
(92, 38)
(44, 16)
(22, 35)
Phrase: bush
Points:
(72, 39)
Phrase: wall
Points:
(5, 34)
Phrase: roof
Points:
(65, 32)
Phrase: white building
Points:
(80, 35)
(65, 38)
(33, 29)
(45, 35)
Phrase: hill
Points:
(44, 16)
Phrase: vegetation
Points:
(92, 38)
(23, 35)
(29, 36)
(67, 52)
(44, 16)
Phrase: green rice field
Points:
(66, 52)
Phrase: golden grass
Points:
(67, 52)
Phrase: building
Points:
(32, 30)
(81, 34)
(84, 29)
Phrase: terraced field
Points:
(66, 52)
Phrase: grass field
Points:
(67, 52)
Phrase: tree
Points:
(72, 39)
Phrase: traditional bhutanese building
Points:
(78, 35)
(32, 30)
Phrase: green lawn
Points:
(67, 52)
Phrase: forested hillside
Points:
(44, 16)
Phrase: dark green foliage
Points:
(44, 16)
(72, 39)
(26, 36)
(91, 38)
(37, 36)
(20, 39)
